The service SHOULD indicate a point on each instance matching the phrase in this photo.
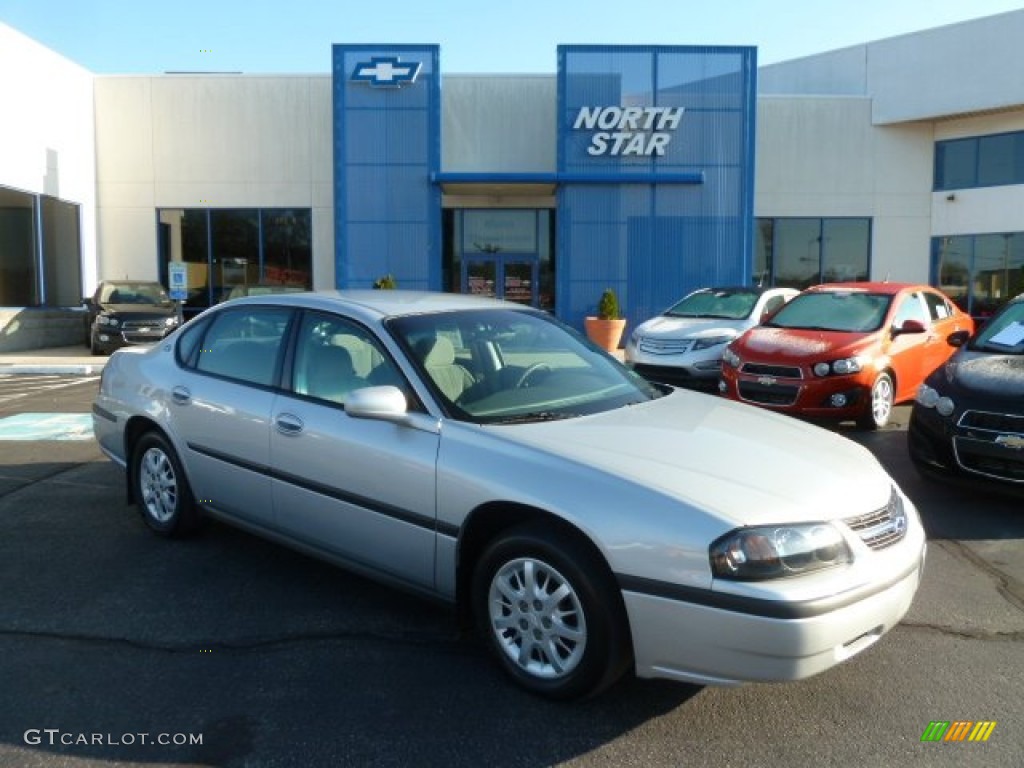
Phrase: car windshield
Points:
(134, 293)
(1004, 333)
(725, 303)
(507, 366)
(846, 311)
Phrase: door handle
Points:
(288, 424)
(181, 395)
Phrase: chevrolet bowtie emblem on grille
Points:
(766, 381)
(1014, 442)
(386, 72)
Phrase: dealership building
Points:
(652, 170)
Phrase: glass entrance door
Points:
(508, 276)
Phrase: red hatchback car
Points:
(845, 351)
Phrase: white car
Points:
(683, 345)
(482, 453)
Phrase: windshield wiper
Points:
(524, 418)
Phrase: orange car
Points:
(845, 351)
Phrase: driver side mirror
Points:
(958, 338)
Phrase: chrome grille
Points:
(143, 326)
(883, 527)
(664, 346)
(767, 394)
(992, 422)
(780, 371)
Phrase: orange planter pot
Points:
(605, 333)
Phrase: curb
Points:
(58, 369)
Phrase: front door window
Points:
(513, 278)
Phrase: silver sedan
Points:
(589, 522)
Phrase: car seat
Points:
(450, 377)
(330, 374)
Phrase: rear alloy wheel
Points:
(161, 489)
(883, 397)
(551, 613)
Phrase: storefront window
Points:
(62, 257)
(18, 279)
(980, 161)
(979, 272)
(233, 249)
(799, 253)
(56, 245)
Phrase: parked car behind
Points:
(968, 418)
(684, 344)
(483, 453)
(844, 351)
(123, 312)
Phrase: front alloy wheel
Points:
(161, 489)
(883, 396)
(537, 618)
(551, 613)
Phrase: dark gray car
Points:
(123, 312)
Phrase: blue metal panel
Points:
(387, 118)
(653, 218)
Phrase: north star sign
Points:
(624, 131)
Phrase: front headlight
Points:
(842, 367)
(772, 552)
(731, 359)
(711, 341)
(105, 320)
(928, 397)
(171, 321)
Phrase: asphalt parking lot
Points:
(119, 648)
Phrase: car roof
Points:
(381, 303)
(870, 287)
(740, 288)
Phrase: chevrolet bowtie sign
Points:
(386, 72)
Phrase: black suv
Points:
(123, 312)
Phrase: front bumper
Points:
(700, 368)
(988, 456)
(706, 645)
(814, 398)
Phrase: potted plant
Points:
(386, 283)
(607, 327)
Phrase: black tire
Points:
(161, 489)
(569, 648)
(881, 400)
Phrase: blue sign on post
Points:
(177, 277)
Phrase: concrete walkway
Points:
(68, 361)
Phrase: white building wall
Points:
(821, 157)
(956, 69)
(228, 141)
(46, 130)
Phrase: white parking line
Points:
(38, 385)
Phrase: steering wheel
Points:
(530, 372)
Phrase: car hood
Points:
(136, 310)
(744, 464)
(796, 346)
(665, 327)
(985, 373)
